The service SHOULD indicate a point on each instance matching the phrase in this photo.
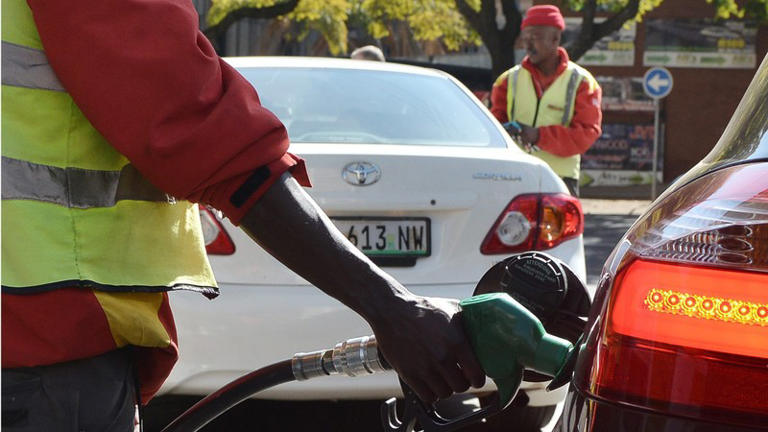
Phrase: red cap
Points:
(543, 15)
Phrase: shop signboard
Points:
(616, 49)
(622, 156)
(700, 43)
(624, 94)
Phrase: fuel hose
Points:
(353, 357)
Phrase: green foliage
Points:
(644, 6)
(220, 8)
(725, 9)
(757, 9)
(329, 17)
(428, 19)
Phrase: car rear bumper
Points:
(249, 327)
(582, 413)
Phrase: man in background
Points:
(368, 52)
(550, 104)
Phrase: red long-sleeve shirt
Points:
(559, 140)
(152, 85)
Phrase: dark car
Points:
(677, 338)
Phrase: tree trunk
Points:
(214, 32)
(500, 42)
(592, 32)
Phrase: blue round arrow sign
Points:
(657, 82)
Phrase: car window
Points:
(320, 105)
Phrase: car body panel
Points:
(585, 413)
(438, 183)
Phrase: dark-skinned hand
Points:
(529, 135)
(423, 339)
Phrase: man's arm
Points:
(149, 81)
(420, 337)
(499, 98)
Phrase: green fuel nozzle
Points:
(505, 322)
(507, 338)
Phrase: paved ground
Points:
(614, 207)
(605, 222)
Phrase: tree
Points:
(495, 23)
(623, 11)
(427, 19)
(498, 22)
(224, 13)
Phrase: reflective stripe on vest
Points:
(570, 97)
(554, 108)
(74, 187)
(75, 212)
(27, 67)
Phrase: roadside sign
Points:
(657, 82)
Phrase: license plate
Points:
(383, 236)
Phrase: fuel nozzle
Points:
(507, 339)
(543, 306)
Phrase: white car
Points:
(411, 167)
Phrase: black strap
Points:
(250, 186)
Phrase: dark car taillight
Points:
(685, 329)
(217, 241)
(534, 222)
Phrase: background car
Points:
(418, 174)
(678, 333)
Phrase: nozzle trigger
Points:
(417, 414)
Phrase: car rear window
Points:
(320, 105)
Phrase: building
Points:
(711, 63)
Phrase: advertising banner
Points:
(624, 94)
(616, 49)
(700, 43)
(621, 156)
(591, 178)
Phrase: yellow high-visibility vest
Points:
(554, 108)
(75, 212)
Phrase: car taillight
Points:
(685, 331)
(217, 241)
(534, 222)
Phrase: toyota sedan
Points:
(416, 172)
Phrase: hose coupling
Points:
(358, 356)
(353, 357)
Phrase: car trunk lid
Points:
(451, 196)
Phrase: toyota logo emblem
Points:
(361, 173)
